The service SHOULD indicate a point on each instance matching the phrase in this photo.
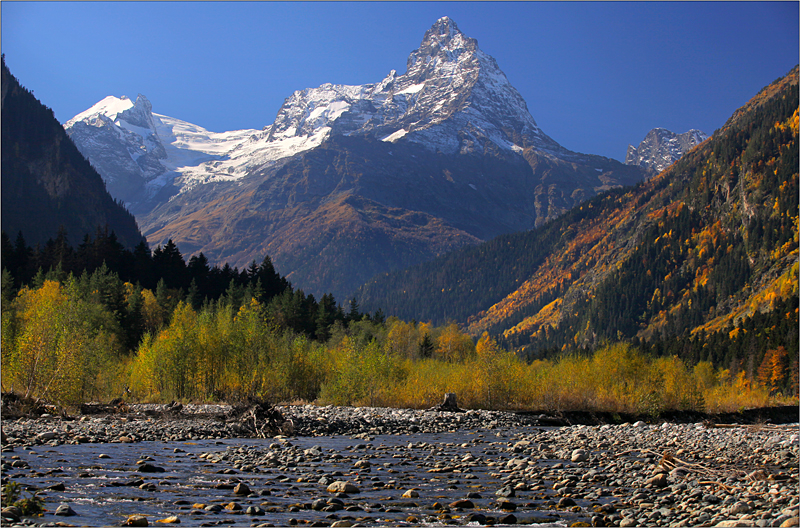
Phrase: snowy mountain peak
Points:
(442, 44)
(109, 107)
(445, 34)
(660, 148)
(452, 98)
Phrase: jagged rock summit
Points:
(453, 98)
(349, 180)
(660, 148)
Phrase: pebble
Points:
(241, 489)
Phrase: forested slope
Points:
(46, 183)
(702, 247)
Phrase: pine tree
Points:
(353, 314)
(193, 297)
(133, 321)
(426, 346)
(169, 265)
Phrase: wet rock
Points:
(65, 510)
(658, 481)
(506, 491)
(711, 498)
(136, 520)
(241, 489)
(506, 505)
(147, 467)
(410, 494)
(475, 517)
(11, 514)
(739, 508)
(172, 519)
(464, 504)
(579, 455)
(341, 486)
(507, 519)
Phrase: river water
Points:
(103, 484)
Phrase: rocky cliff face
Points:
(660, 148)
(350, 181)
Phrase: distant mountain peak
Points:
(660, 148)
(109, 107)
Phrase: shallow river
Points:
(104, 485)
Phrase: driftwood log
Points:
(116, 406)
(260, 418)
(16, 406)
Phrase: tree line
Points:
(72, 334)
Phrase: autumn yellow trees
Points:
(60, 346)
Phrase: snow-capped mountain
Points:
(373, 176)
(454, 98)
(139, 153)
(660, 148)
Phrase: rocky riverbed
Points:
(368, 467)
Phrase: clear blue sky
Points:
(596, 75)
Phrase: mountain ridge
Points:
(452, 135)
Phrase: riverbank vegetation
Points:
(70, 338)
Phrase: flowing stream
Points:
(103, 483)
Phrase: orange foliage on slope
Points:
(594, 246)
